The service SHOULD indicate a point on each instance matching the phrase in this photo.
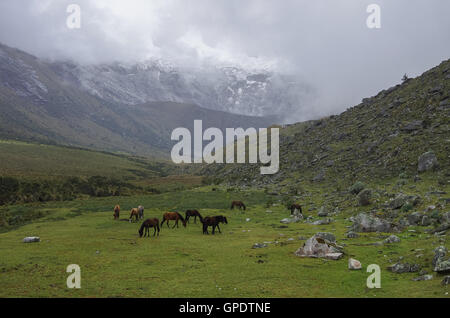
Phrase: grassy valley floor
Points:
(183, 262)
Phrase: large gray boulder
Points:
(401, 268)
(440, 264)
(323, 212)
(427, 161)
(415, 218)
(317, 246)
(364, 197)
(366, 223)
(398, 201)
(392, 239)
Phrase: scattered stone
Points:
(446, 280)
(316, 246)
(327, 236)
(364, 197)
(400, 268)
(440, 264)
(323, 221)
(412, 126)
(423, 277)
(259, 245)
(293, 219)
(319, 177)
(247, 219)
(354, 264)
(399, 201)
(414, 218)
(352, 235)
(366, 223)
(31, 239)
(392, 239)
(323, 212)
(427, 161)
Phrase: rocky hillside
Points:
(39, 101)
(381, 138)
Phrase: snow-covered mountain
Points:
(255, 92)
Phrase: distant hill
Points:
(39, 103)
(382, 137)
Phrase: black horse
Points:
(214, 222)
(147, 224)
(193, 213)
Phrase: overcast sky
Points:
(325, 42)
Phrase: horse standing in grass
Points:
(173, 216)
(141, 212)
(294, 207)
(135, 213)
(147, 224)
(116, 212)
(238, 204)
(193, 213)
(214, 222)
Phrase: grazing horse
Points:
(147, 224)
(193, 213)
(141, 212)
(173, 216)
(214, 222)
(135, 213)
(116, 212)
(238, 204)
(294, 207)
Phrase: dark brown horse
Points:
(135, 213)
(116, 212)
(147, 224)
(238, 204)
(173, 216)
(294, 207)
(214, 222)
(193, 213)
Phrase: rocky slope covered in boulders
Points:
(402, 130)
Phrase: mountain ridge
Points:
(36, 104)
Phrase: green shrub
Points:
(357, 187)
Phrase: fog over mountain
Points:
(319, 56)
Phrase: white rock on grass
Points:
(354, 264)
(31, 239)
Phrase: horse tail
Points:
(200, 216)
(243, 205)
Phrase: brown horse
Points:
(116, 212)
(193, 213)
(294, 207)
(147, 224)
(238, 204)
(214, 222)
(135, 213)
(173, 216)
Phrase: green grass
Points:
(185, 263)
(38, 160)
